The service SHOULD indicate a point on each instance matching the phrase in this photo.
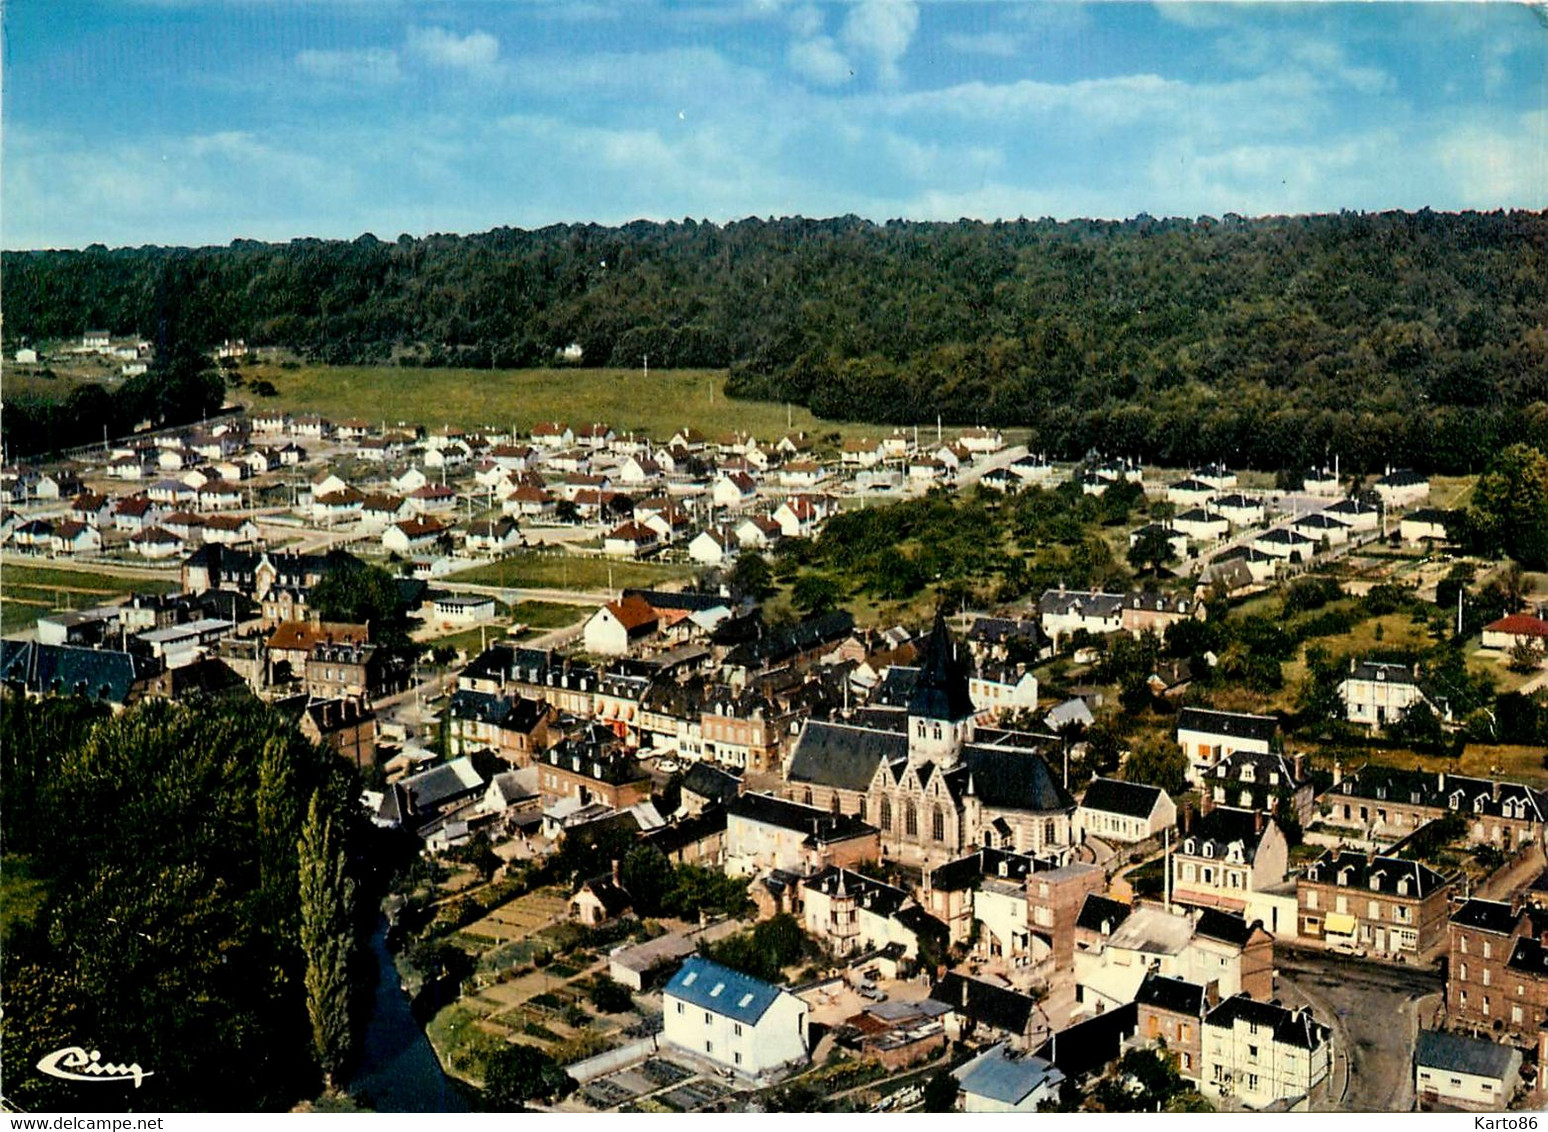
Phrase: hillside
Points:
(1393, 338)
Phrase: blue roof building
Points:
(733, 1020)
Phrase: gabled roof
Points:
(842, 755)
(1457, 1053)
(820, 825)
(1519, 625)
(1100, 910)
(613, 897)
(1011, 779)
(709, 781)
(1486, 915)
(998, 1007)
(634, 613)
(1000, 1074)
(718, 989)
(1112, 796)
(1224, 926)
(67, 670)
(1165, 992)
(1237, 725)
(1292, 1028)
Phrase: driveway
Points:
(1374, 1010)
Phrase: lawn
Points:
(26, 592)
(21, 894)
(561, 571)
(657, 405)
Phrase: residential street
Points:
(1372, 1007)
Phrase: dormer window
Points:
(1209, 848)
(1375, 882)
(1188, 847)
(1402, 886)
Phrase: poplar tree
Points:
(327, 940)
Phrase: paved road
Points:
(1372, 1007)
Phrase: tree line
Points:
(182, 893)
(1414, 338)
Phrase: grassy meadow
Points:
(629, 401)
(558, 570)
(27, 592)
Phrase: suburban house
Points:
(1516, 630)
(1427, 524)
(1238, 509)
(410, 536)
(1124, 812)
(1263, 780)
(1158, 612)
(1208, 736)
(617, 628)
(1261, 1053)
(1062, 612)
(1468, 1073)
(855, 914)
(1376, 693)
(982, 1011)
(1003, 1080)
(600, 900)
(1116, 946)
(1384, 904)
(1205, 526)
(1403, 488)
(723, 1016)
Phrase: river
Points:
(398, 1070)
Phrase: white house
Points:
(1197, 523)
(1319, 526)
(757, 532)
(1322, 482)
(492, 536)
(1473, 1073)
(712, 547)
(735, 490)
(1190, 493)
(629, 540)
(156, 542)
(1516, 629)
(464, 609)
(1427, 523)
(1282, 542)
(1000, 1080)
(1376, 693)
(982, 440)
(1207, 737)
(1238, 509)
(723, 1016)
(1360, 515)
(995, 688)
(409, 480)
(1126, 812)
(412, 535)
(1403, 488)
(618, 626)
(1258, 1053)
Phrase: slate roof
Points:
(1386, 871)
(965, 872)
(941, 689)
(878, 897)
(1224, 926)
(1458, 1053)
(1530, 957)
(712, 782)
(1012, 779)
(1237, 725)
(710, 986)
(998, 1074)
(1292, 1028)
(1486, 915)
(1098, 909)
(1223, 827)
(999, 1007)
(1112, 796)
(613, 897)
(67, 669)
(819, 824)
(1165, 992)
(842, 755)
(680, 834)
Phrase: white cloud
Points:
(819, 61)
(997, 43)
(806, 21)
(476, 51)
(373, 65)
(1492, 167)
(883, 30)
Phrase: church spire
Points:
(941, 690)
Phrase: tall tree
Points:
(327, 940)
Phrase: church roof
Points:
(941, 688)
(1010, 779)
(843, 756)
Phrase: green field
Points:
(29, 591)
(560, 571)
(627, 400)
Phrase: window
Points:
(1311, 898)
(1252, 1082)
(937, 731)
(938, 825)
(1343, 905)
(737, 1029)
(910, 819)
(1372, 910)
(738, 1058)
(886, 814)
(1515, 1015)
(1463, 972)
(835, 803)
(1463, 941)
(1486, 974)
(679, 1008)
(1252, 1053)
(706, 1017)
(1488, 951)
(861, 810)
(1187, 1061)
(806, 796)
(1402, 913)
(709, 1047)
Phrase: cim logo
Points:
(74, 1064)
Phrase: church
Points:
(933, 783)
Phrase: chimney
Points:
(1187, 819)
(1298, 767)
(1206, 800)
(615, 871)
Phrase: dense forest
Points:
(1417, 338)
(179, 893)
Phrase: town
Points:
(1256, 797)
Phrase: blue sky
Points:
(203, 121)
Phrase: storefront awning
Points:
(1338, 923)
